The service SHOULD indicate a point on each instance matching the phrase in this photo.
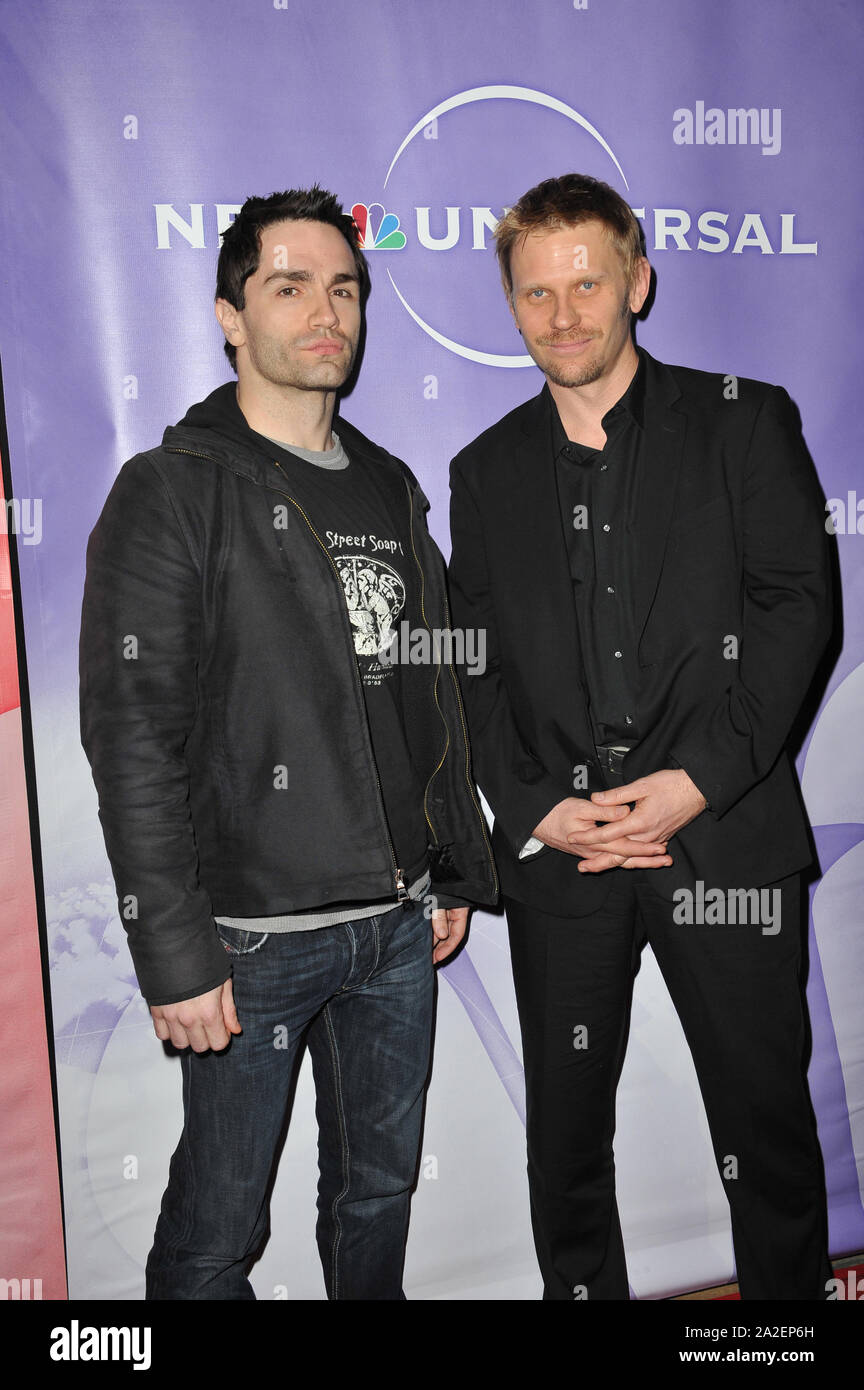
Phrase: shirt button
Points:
(627, 719)
(610, 588)
(618, 654)
(603, 467)
(607, 527)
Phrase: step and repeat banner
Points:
(132, 133)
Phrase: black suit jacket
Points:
(732, 547)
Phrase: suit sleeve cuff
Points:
(675, 762)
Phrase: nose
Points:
(565, 312)
(322, 310)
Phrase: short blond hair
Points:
(565, 202)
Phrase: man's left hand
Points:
(448, 929)
(664, 803)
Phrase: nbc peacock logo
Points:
(379, 230)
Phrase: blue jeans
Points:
(361, 995)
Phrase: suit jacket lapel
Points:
(665, 432)
(531, 489)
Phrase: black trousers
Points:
(737, 991)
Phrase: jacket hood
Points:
(220, 412)
(217, 426)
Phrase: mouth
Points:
(570, 346)
(326, 347)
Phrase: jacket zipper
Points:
(480, 816)
(437, 664)
(402, 894)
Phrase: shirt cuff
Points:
(530, 847)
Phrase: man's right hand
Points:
(205, 1021)
(576, 812)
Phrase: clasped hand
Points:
(663, 803)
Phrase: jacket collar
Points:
(653, 384)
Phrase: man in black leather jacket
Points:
(284, 805)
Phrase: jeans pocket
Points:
(240, 942)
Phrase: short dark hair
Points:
(565, 202)
(240, 253)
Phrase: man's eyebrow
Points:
(583, 273)
(304, 276)
(287, 275)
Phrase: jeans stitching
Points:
(375, 923)
(376, 928)
(245, 949)
(351, 937)
(346, 1154)
(184, 1224)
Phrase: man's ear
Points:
(229, 322)
(641, 284)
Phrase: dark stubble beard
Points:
(283, 370)
(577, 376)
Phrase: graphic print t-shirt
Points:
(361, 517)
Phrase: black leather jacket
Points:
(222, 711)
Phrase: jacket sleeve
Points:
(443, 901)
(138, 698)
(787, 614)
(517, 786)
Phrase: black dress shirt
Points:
(597, 490)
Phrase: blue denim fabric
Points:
(360, 994)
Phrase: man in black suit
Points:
(645, 548)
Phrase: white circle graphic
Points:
(467, 98)
(504, 93)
